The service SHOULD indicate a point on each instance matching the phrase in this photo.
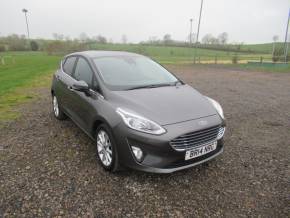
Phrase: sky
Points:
(247, 21)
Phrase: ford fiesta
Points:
(139, 114)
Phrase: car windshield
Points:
(133, 72)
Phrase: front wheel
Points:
(106, 149)
(56, 110)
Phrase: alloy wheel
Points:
(55, 106)
(104, 147)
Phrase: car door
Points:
(81, 103)
(65, 80)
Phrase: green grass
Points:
(266, 48)
(21, 73)
(21, 68)
(178, 55)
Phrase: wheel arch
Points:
(96, 123)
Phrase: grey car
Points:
(139, 114)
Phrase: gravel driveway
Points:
(48, 167)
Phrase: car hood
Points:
(165, 105)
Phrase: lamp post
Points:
(199, 21)
(25, 11)
(200, 12)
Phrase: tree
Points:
(167, 39)
(223, 38)
(17, 42)
(193, 38)
(275, 39)
(153, 40)
(84, 37)
(34, 46)
(239, 46)
(58, 36)
(278, 54)
(67, 38)
(101, 39)
(124, 39)
(214, 41)
(207, 39)
(2, 48)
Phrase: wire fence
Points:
(204, 59)
(238, 59)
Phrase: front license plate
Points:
(196, 152)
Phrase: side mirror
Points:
(81, 86)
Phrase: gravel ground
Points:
(48, 167)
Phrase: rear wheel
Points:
(106, 148)
(56, 110)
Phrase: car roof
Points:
(98, 54)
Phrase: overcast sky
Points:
(248, 21)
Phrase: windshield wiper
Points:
(150, 86)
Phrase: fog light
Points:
(137, 153)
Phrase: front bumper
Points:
(159, 155)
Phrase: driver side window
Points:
(83, 72)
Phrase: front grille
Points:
(194, 139)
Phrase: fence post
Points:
(215, 59)
(261, 60)
(199, 60)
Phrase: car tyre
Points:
(58, 113)
(106, 149)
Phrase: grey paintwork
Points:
(165, 105)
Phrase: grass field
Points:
(266, 48)
(20, 74)
(181, 55)
(23, 71)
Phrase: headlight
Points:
(217, 106)
(140, 123)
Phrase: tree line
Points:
(65, 44)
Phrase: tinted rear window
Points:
(69, 65)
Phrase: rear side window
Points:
(69, 65)
(83, 72)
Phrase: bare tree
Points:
(153, 40)
(101, 39)
(67, 38)
(207, 39)
(124, 39)
(167, 39)
(16, 42)
(84, 37)
(223, 38)
(58, 36)
(191, 37)
(275, 39)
